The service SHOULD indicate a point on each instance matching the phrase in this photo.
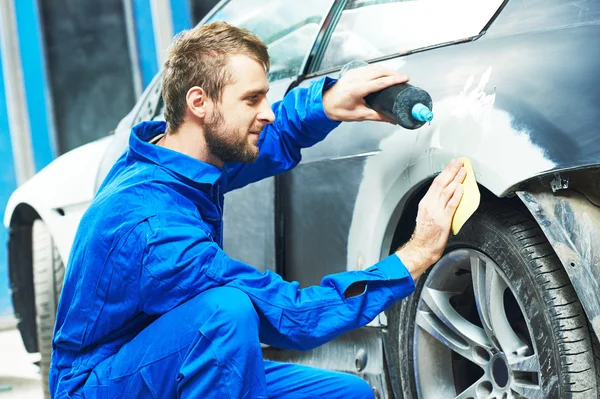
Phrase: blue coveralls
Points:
(152, 306)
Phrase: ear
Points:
(196, 101)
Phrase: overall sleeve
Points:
(300, 122)
(181, 261)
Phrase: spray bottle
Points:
(408, 105)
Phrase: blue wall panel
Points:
(34, 76)
(142, 14)
(182, 15)
(7, 185)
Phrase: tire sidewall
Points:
(46, 265)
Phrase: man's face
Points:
(232, 127)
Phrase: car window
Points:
(152, 103)
(288, 27)
(370, 29)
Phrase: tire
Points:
(48, 275)
(528, 335)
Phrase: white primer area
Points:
(465, 125)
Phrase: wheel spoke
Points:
(524, 364)
(445, 324)
(477, 390)
(523, 369)
(509, 342)
(482, 279)
(529, 391)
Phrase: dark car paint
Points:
(317, 220)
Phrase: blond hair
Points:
(199, 57)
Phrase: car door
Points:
(335, 197)
(289, 29)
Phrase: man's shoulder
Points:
(146, 193)
(122, 202)
(111, 216)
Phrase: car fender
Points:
(570, 218)
(61, 192)
(467, 124)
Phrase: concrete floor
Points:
(19, 376)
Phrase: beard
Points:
(228, 145)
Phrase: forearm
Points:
(416, 260)
(290, 317)
(302, 319)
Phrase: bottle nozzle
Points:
(421, 113)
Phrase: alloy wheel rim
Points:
(471, 340)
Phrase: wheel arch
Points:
(569, 218)
(20, 266)
(402, 223)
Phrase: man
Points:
(153, 307)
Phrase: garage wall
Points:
(89, 68)
(71, 70)
(7, 184)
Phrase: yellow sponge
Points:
(470, 199)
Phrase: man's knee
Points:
(236, 306)
(230, 309)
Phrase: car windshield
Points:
(287, 27)
(403, 26)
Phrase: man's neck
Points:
(191, 142)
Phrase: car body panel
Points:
(491, 104)
(61, 192)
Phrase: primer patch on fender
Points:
(470, 125)
(465, 125)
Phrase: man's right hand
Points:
(434, 220)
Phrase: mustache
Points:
(257, 129)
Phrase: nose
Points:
(266, 114)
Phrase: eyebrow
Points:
(255, 92)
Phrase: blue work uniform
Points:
(153, 307)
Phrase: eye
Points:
(253, 99)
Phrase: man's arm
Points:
(300, 122)
(181, 261)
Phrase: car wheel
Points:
(48, 275)
(496, 317)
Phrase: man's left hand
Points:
(344, 101)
